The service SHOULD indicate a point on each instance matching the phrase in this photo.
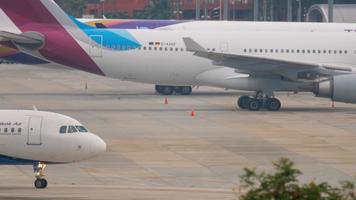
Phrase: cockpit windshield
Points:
(81, 129)
(72, 129)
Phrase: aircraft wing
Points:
(258, 65)
(28, 41)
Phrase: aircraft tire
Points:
(254, 105)
(243, 102)
(273, 104)
(40, 183)
(184, 90)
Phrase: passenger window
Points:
(63, 130)
(144, 48)
(81, 129)
(19, 130)
(72, 129)
(12, 130)
(5, 130)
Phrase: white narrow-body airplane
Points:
(260, 61)
(40, 138)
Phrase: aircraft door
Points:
(96, 46)
(224, 46)
(34, 131)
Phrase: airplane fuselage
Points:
(161, 56)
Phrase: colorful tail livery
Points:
(44, 27)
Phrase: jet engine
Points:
(339, 88)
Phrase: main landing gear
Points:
(38, 170)
(169, 90)
(258, 102)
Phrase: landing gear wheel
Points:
(254, 105)
(38, 170)
(40, 183)
(273, 104)
(164, 90)
(158, 89)
(243, 102)
(184, 90)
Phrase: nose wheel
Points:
(38, 170)
(258, 103)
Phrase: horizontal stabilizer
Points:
(29, 41)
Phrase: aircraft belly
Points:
(153, 67)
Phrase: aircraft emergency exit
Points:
(260, 61)
(41, 138)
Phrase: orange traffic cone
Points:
(166, 100)
(192, 114)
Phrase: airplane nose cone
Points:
(99, 146)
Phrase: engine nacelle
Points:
(339, 88)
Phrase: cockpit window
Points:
(72, 129)
(81, 129)
(63, 130)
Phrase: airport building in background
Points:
(242, 10)
(181, 9)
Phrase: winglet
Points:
(193, 45)
(34, 108)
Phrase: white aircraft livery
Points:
(260, 61)
(40, 138)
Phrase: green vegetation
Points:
(72, 7)
(284, 185)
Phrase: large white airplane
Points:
(12, 55)
(261, 61)
(40, 138)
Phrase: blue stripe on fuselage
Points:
(115, 39)
(24, 59)
(5, 160)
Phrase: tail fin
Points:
(29, 13)
(60, 33)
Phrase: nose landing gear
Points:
(38, 170)
(258, 102)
